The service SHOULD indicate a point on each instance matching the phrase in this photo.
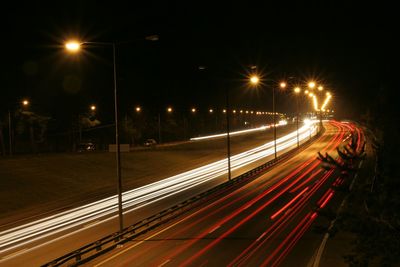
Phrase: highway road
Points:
(43, 240)
(257, 224)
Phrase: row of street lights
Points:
(255, 80)
(193, 110)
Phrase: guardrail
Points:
(90, 251)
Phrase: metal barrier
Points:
(90, 251)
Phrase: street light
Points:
(254, 80)
(228, 138)
(24, 103)
(320, 88)
(81, 116)
(297, 91)
(169, 110)
(75, 46)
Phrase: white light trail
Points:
(262, 128)
(142, 196)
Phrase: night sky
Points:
(350, 48)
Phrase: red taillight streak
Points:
(289, 203)
(326, 200)
(337, 181)
(314, 215)
(323, 197)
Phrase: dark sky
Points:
(350, 48)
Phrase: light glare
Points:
(254, 79)
(72, 46)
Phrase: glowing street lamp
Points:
(73, 46)
(254, 80)
(138, 109)
(92, 107)
(311, 85)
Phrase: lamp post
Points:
(274, 117)
(297, 91)
(168, 110)
(75, 46)
(9, 133)
(228, 138)
(24, 103)
(319, 90)
(159, 128)
(81, 116)
(255, 80)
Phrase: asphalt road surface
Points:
(257, 224)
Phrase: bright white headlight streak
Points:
(139, 197)
(262, 128)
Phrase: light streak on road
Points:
(262, 128)
(142, 196)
